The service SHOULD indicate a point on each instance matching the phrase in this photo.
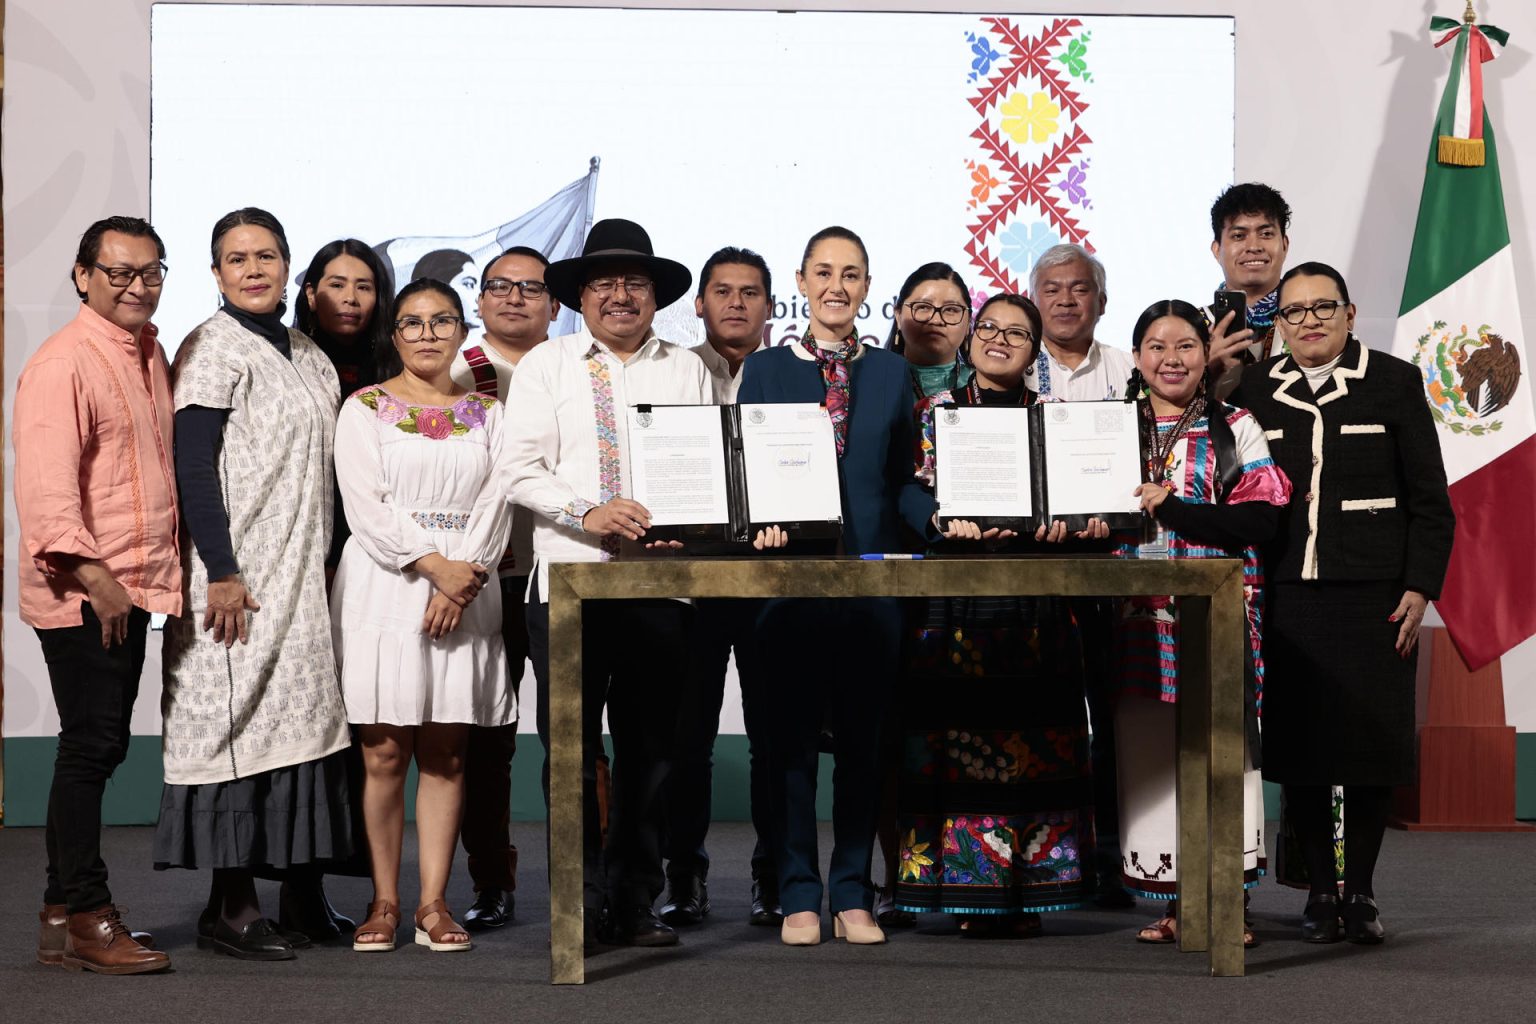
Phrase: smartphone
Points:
(1226, 302)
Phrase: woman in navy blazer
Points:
(834, 662)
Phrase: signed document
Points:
(677, 464)
(1093, 458)
(790, 460)
(984, 469)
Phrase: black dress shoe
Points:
(766, 910)
(208, 919)
(641, 927)
(687, 901)
(1362, 921)
(1320, 921)
(258, 940)
(306, 914)
(492, 909)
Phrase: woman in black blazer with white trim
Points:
(1360, 552)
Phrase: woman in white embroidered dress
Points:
(417, 632)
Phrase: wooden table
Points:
(1211, 651)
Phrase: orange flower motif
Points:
(985, 183)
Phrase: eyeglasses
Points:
(1324, 310)
(1013, 337)
(413, 328)
(603, 287)
(501, 288)
(950, 313)
(121, 277)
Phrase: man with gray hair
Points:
(1067, 283)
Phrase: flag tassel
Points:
(1461, 152)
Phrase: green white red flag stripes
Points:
(1459, 323)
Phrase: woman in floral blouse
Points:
(417, 632)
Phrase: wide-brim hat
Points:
(617, 241)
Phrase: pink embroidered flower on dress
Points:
(469, 412)
(390, 409)
(434, 423)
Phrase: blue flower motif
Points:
(1022, 244)
(984, 55)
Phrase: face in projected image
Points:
(455, 269)
(251, 269)
(834, 280)
(618, 302)
(427, 333)
(345, 297)
(1003, 345)
(1171, 356)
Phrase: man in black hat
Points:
(566, 435)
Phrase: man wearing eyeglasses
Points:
(96, 500)
(566, 434)
(516, 308)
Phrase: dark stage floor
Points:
(1460, 910)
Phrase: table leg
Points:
(1194, 760)
(1228, 643)
(566, 913)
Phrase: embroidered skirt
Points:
(995, 799)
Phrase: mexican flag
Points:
(1459, 323)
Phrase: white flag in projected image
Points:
(557, 227)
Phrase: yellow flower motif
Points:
(1030, 119)
(912, 858)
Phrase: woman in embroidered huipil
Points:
(254, 731)
(1213, 492)
(995, 798)
(417, 631)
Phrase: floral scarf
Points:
(834, 371)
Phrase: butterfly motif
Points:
(1075, 57)
(984, 57)
(981, 174)
(1075, 185)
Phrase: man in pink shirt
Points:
(96, 498)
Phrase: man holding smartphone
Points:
(1249, 222)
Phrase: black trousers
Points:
(632, 653)
(719, 627)
(1095, 617)
(486, 830)
(94, 691)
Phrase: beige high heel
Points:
(801, 935)
(856, 934)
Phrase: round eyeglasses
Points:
(414, 328)
(950, 314)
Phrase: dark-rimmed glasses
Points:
(121, 277)
(950, 314)
(501, 288)
(1324, 310)
(1013, 337)
(414, 328)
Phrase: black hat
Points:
(610, 241)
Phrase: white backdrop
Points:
(1338, 120)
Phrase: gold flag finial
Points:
(1470, 17)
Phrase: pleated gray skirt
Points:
(297, 815)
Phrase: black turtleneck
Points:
(199, 435)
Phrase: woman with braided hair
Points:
(1212, 491)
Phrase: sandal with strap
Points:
(434, 923)
(383, 918)
(1160, 932)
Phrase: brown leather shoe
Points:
(97, 940)
(54, 926)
